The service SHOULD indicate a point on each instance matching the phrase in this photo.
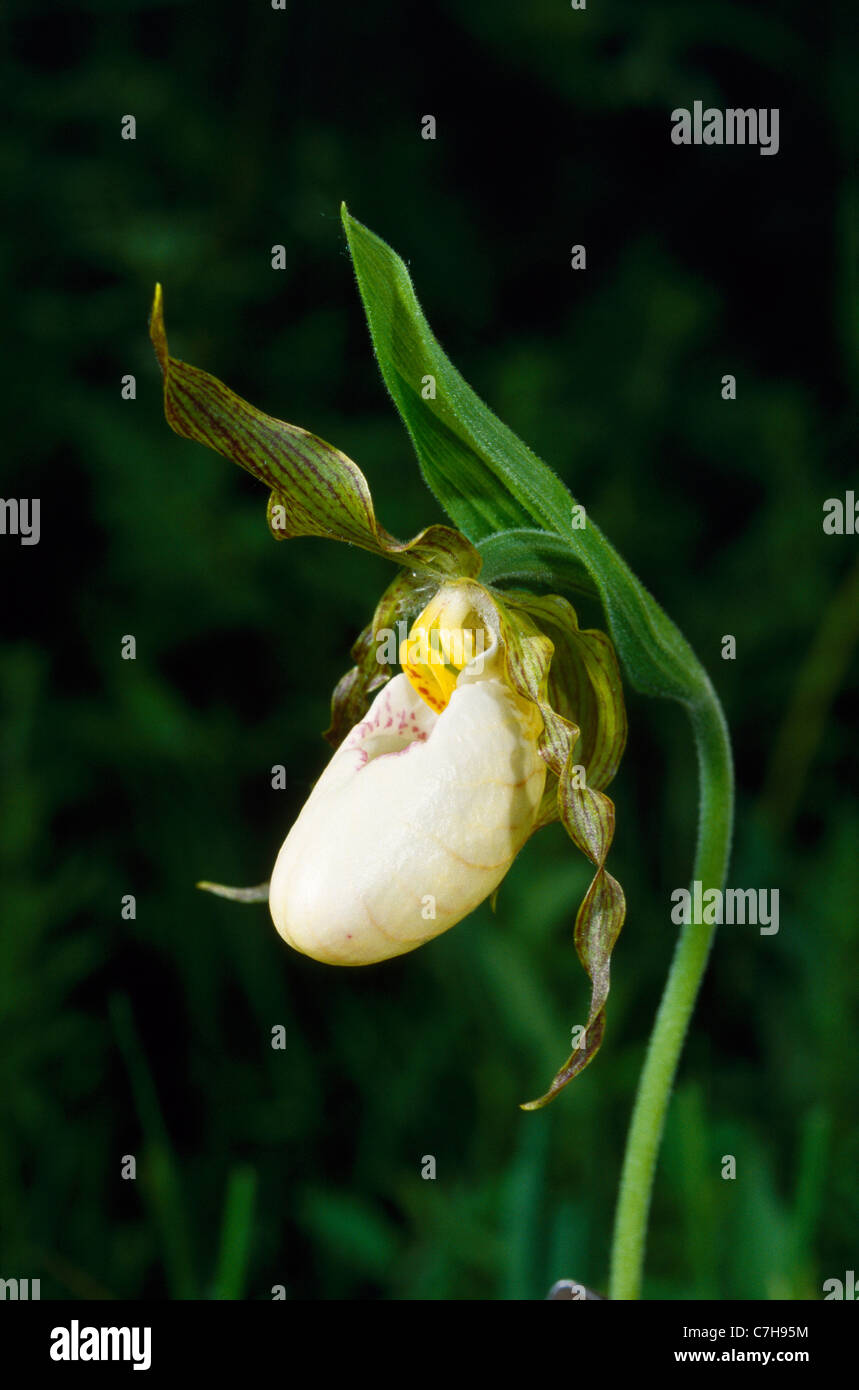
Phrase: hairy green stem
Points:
(715, 823)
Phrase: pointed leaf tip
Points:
(157, 331)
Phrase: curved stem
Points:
(715, 823)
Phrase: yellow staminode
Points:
(447, 636)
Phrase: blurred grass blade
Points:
(810, 1183)
(160, 1176)
(236, 1230)
(523, 1215)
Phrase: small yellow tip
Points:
(537, 1104)
(157, 331)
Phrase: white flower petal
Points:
(417, 812)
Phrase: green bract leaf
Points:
(488, 481)
(534, 557)
(315, 489)
(463, 449)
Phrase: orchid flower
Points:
(450, 753)
(421, 811)
(438, 781)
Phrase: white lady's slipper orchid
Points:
(422, 809)
(507, 716)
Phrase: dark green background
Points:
(302, 1167)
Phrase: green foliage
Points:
(145, 776)
(489, 482)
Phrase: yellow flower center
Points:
(447, 636)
